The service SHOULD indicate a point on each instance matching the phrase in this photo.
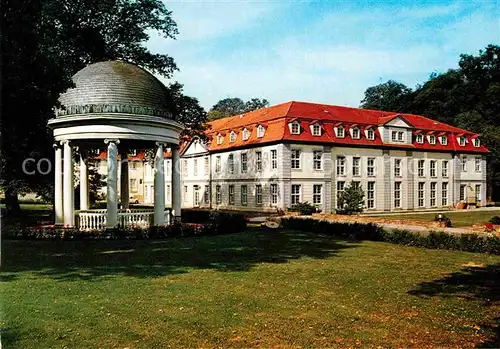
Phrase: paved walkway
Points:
(389, 214)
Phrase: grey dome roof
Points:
(114, 87)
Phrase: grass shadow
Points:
(87, 259)
(480, 284)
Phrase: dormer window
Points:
(397, 136)
(340, 132)
(316, 130)
(370, 134)
(356, 134)
(220, 139)
(477, 142)
(232, 137)
(245, 134)
(443, 140)
(432, 139)
(462, 140)
(295, 128)
(260, 131)
(420, 139)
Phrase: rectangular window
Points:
(397, 136)
(295, 128)
(317, 159)
(340, 189)
(196, 195)
(478, 192)
(356, 133)
(433, 194)
(258, 160)
(421, 187)
(421, 164)
(478, 164)
(168, 194)
(370, 167)
(370, 195)
(206, 195)
(230, 163)
(340, 132)
(462, 192)
(397, 194)
(244, 164)
(464, 164)
(217, 164)
(444, 169)
(218, 194)
(195, 167)
(295, 194)
(185, 194)
(244, 195)
(258, 194)
(185, 168)
(370, 134)
(274, 159)
(133, 184)
(168, 167)
(340, 166)
(432, 167)
(356, 166)
(231, 194)
(274, 194)
(295, 158)
(207, 167)
(444, 194)
(397, 167)
(317, 194)
(316, 130)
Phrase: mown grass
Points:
(458, 218)
(256, 289)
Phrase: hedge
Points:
(373, 232)
(217, 223)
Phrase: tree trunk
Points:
(12, 207)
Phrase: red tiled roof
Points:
(277, 117)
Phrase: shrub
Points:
(351, 200)
(305, 208)
(195, 216)
(495, 220)
(373, 232)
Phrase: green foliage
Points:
(234, 106)
(304, 208)
(373, 232)
(441, 218)
(351, 200)
(495, 220)
(391, 96)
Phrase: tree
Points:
(234, 106)
(390, 96)
(351, 200)
(45, 42)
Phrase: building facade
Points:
(276, 157)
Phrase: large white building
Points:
(273, 158)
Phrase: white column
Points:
(112, 184)
(84, 184)
(68, 188)
(58, 186)
(176, 183)
(159, 182)
(124, 181)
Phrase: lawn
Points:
(458, 218)
(278, 289)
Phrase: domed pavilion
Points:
(124, 107)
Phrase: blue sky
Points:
(319, 51)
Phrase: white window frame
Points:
(230, 163)
(419, 138)
(462, 141)
(258, 194)
(444, 168)
(185, 196)
(477, 192)
(421, 194)
(356, 133)
(232, 137)
(316, 130)
(370, 134)
(295, 193)
(432, 139)
(339, 187)
(260, 131)
(220, 139)
(185, 167)
(464, 163)
(317, 194)
(206, 195)
(196, 195)
(421, 168)
(397, 168)
(218, 164)
(370, 195)
(195, 167)
(476, 142)
(443, 140)
(433, 168)
(433, 192)
(397, 194)
(244, 194)
(245, 134)
(444, 194)
(218, 194)
(274, 193)
(341, 164)
(370, 168)
(207, 166)
(356, 166)
(295, 159)
(274, 159)
(295, 128)
(340, 132)
(244, 162)
(477, 164)
(230, 194)
(258, 160)
(317, 160)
